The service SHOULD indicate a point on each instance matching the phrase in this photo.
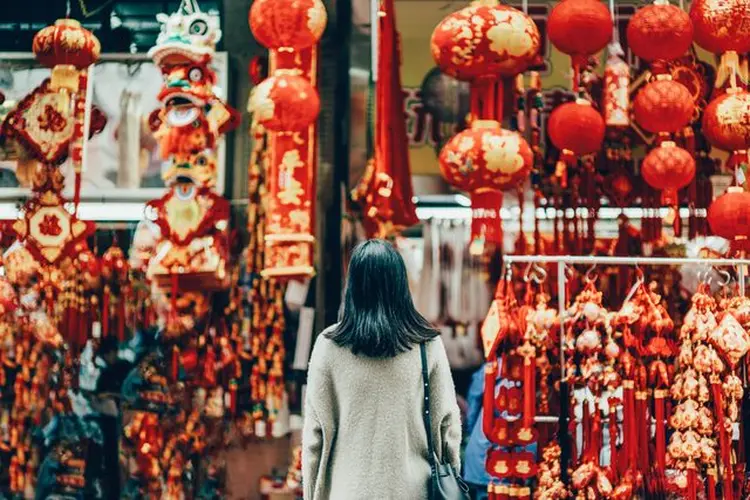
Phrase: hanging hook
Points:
(727, 277)
(590, 275)
(508, 271)
(540, 274)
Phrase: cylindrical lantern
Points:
(726, 121)
(616, 104)
(288, 24)
(485, 40)
(576, 127)
(664, 106)
(729, 217)
(660, 32)
(721, 25)
(580, 27)
(284, 103)
(668, 168)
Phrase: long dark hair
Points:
(378, 318)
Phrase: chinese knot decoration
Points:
(286, 106)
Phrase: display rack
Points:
(562, 262)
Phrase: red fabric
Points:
(724, 442)
(660, 437)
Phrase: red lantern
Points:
(668, 168)
(660, 32)
(285, 103)
(721, 25)
(485, 41)
(114, 264)
(664, 106)
(580, 27)
(485, 160)
(66, 42)
(288, 24)
(726, 121)
(729, 217)
(576, 127)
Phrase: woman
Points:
(364, 436)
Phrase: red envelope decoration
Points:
(499, 464)
(524, 465)
(501, 433)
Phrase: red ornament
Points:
(726, 121)
(729, 217)
(285, 103)
(485, 41)
(114, 264)
(668, 168)
(580, 27)
(664, 106)
(288, 24)
(660, 32)
(576, 127)
(721, 25)
(258, 69)
(66, 43)
(8, 298)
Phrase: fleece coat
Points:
(363, 434)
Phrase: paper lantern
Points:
(729, 217)
(285, 102)
(721, 25)
(663, 106)
(726, 121)
(66, 43)
(580, 27)
(668, 168)
(660, 32)
(576, 127)
(288, 24)
(485, 41)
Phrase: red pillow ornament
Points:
(288, 24)
(660, 32)
(664, 106)
(721, 25)
(580, 28)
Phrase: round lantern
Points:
(664, 106)
(580, 27)
(284, 103)
(729, 217)
(726, 121)
(485, 41)
(576, 127)
(288, 24)
(668, 168)
(721, 25)
(660, 32)
(66, 42)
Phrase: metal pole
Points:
(622, 261)
(741, 278)
(564, 390)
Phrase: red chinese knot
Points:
(668, 168)
(726, 121)
(580, 27)
(664, 106)
(288, 24)
(660, 32)
(729, 216)
(576, 127)
(485, 41)
(285, 103)
(66, 43)
(721, 25)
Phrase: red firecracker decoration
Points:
(285, 103)
(721, 25)
(726, 121)
(288, 24)
(660, 32)
(576, 127)
(668, 168)
(485, 41)
(485, 160)
(664, 106)
(729, 217)
(580, 28)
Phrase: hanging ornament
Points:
(616, 100)
(729, 217)
(668, 168)
(580, 28)
(663, 106)
(66, 47)
(288, 25)
(721, 25)
(660, 32)
(726, 121)
(285, 102)
(576, 127)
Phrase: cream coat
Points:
(363, 435)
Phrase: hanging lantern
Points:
(664, 106)
(726, 121)
(668, 168)
(660, 32)
(484, 160)
(285, 102)
(616, 95)
(721, 25)
(484, 40)
(66, 47)
(576, 127)
(580, 28)
(729, 217)
(288, 24)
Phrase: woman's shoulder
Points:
(324, 345)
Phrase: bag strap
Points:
(426, 410)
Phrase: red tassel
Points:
(233, 397)
(175, 365)
(628, 445)
(692, 483)
(615, 458)
(121, 318)
(724, 445)
(643, 434)
(488, 402)
(661, 436)
(586, 427)
(529, 390)
(209, 370)
(711, 485)
(105, 312)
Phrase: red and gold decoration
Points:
(288, 25)
(660, 32)
(721, 25)
(729, 217)
(726, 121)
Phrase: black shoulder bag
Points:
(445, 483)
